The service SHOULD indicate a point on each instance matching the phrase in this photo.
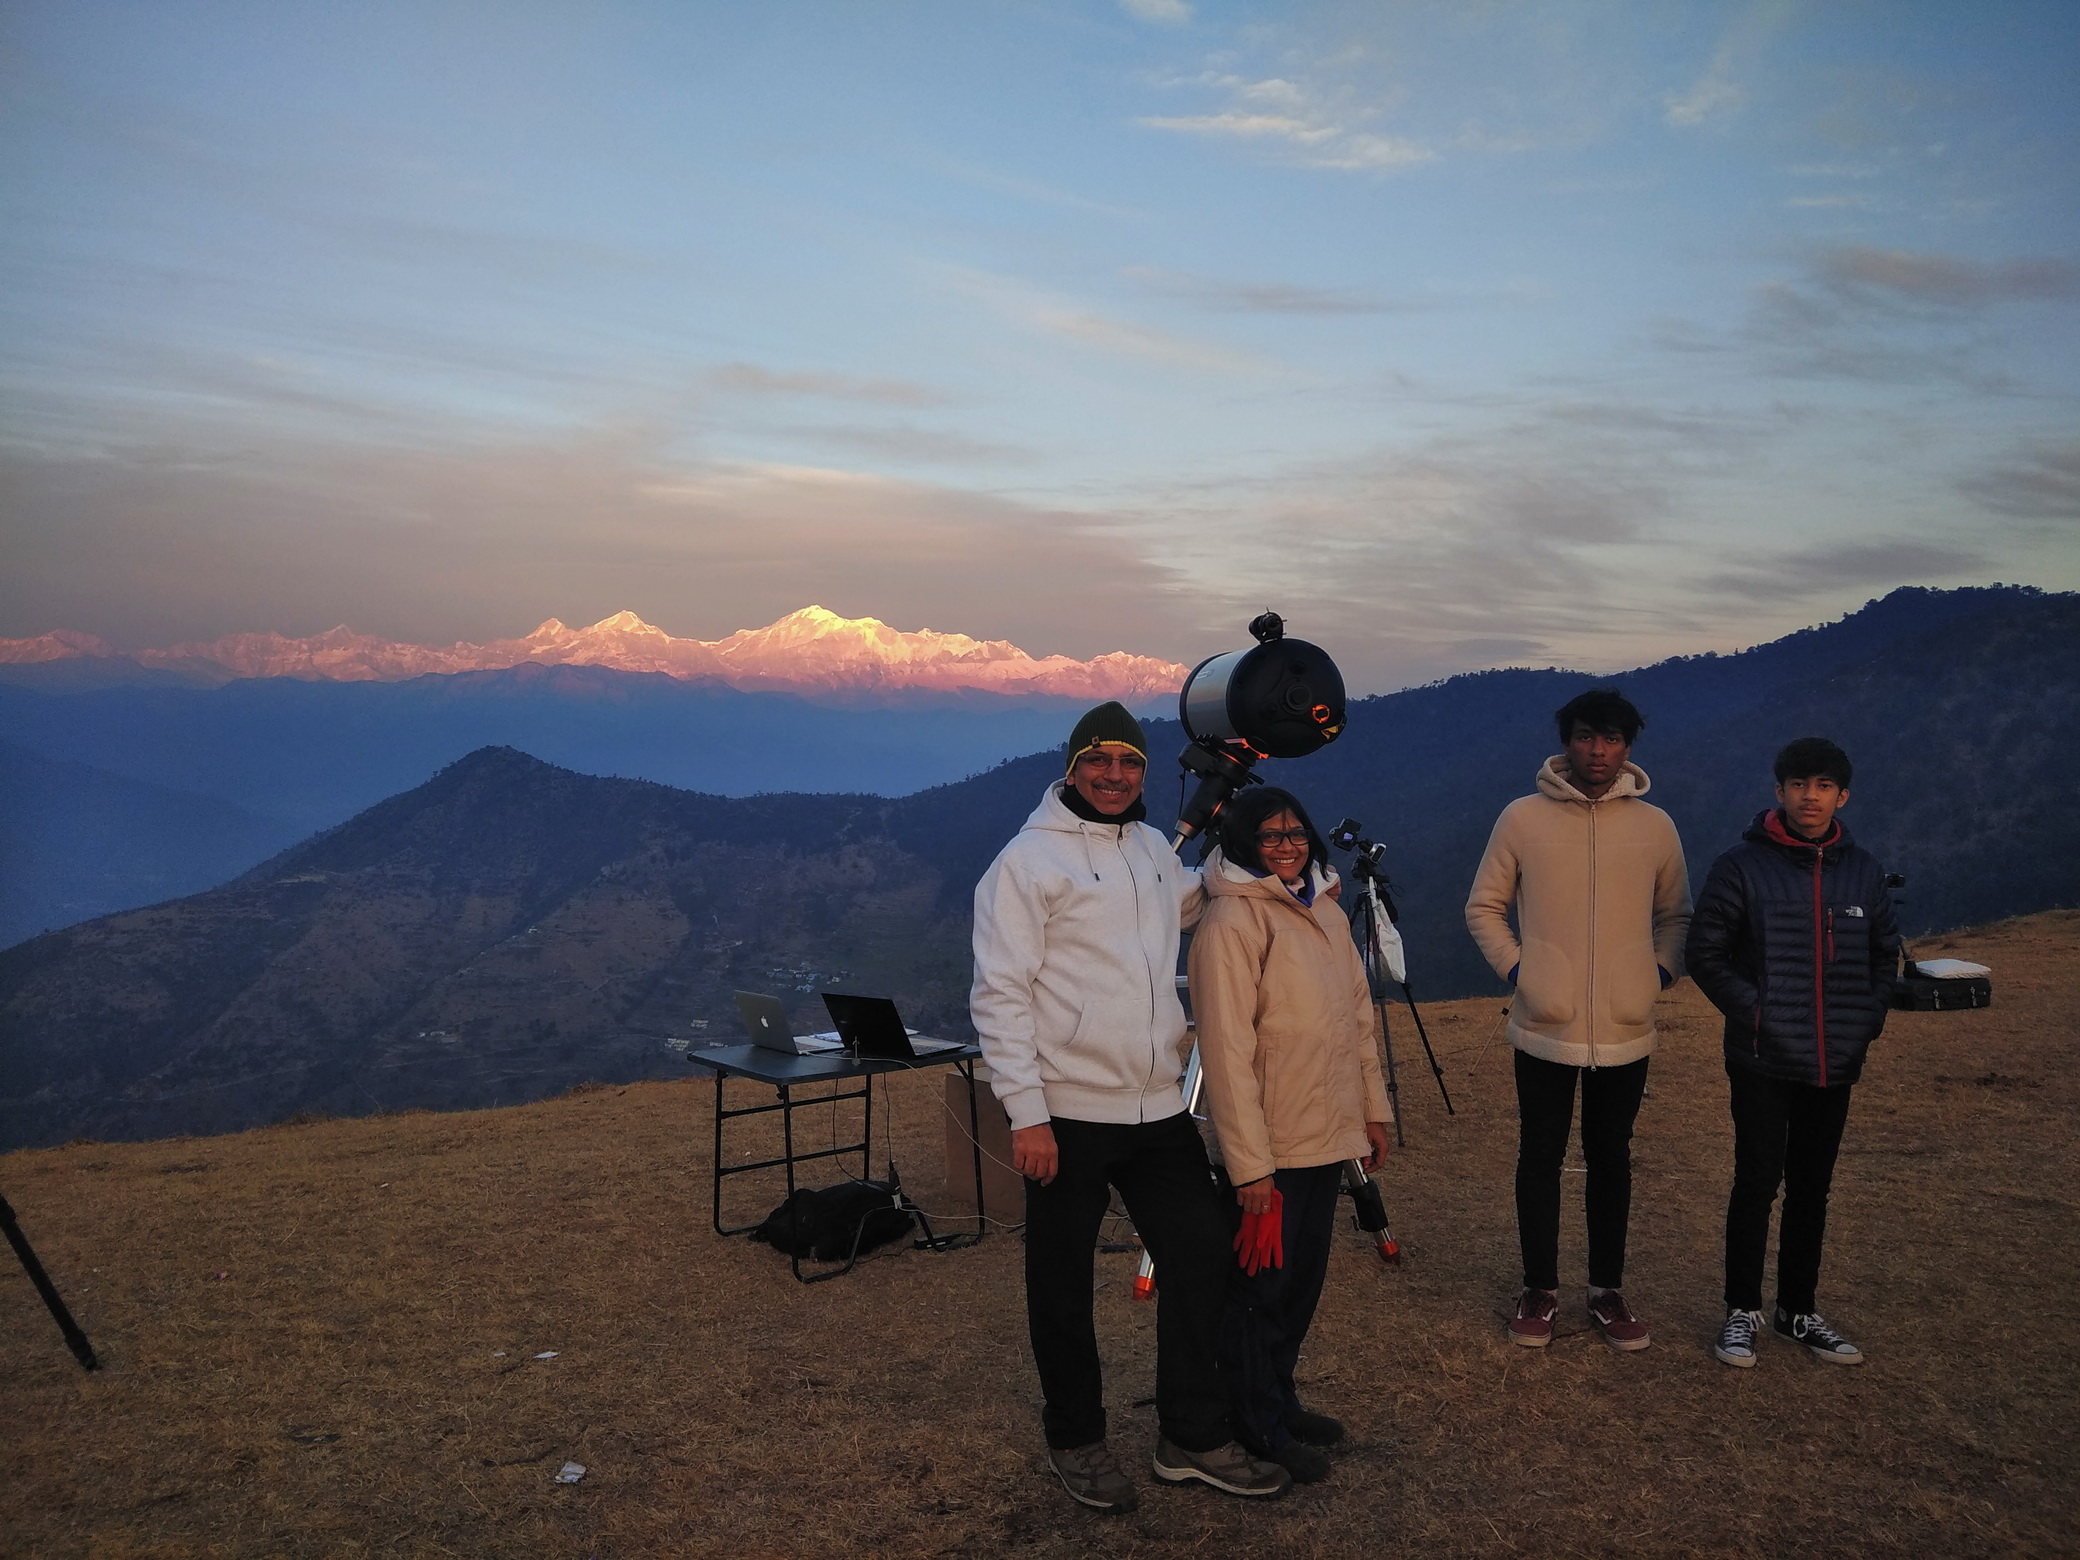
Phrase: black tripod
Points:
(1375, 907)
(75, 1340)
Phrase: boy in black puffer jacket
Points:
(1794, 940)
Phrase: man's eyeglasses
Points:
(1271, 837)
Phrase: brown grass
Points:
(319, 1340)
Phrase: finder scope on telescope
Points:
(1281, 698)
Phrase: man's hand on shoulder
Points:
(1033, 1153)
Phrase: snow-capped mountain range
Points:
(812, 650)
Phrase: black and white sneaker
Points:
(1736, 1345)
(1819, 1340)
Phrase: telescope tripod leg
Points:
(1386, 1039)
(75, 1340)
(1436, 1071)
(1145, 1269)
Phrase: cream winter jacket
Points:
(1075, 995)
(1286, 1049)
(1602, 898)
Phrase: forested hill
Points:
(510, 928)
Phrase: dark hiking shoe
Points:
(1313, 1429)
(1092, 1475)
(1305, 1463)
(1614, 1319)
(1532, 1326)
(1227, 1468)
(1736, 1345)
(1819, 1340)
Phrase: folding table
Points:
(785, 1074)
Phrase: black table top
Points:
(777, 1067)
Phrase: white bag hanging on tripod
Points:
(1386, 944)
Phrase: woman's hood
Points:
(1223, 876)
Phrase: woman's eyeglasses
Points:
(1271, 837)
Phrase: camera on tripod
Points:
(1375, 922)
(1368, 861)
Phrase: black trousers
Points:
(1545, 1112)
(1784, 1134)
(1162, 1175)
(1268, 1315)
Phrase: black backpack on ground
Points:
(837, 1223)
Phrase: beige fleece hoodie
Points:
(1285, 1022)
(1602, 898)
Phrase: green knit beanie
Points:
(1109, 722)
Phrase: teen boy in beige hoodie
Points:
(1602, 899)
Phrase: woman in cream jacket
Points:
(1293, 1086)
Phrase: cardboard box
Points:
(1003, 1188)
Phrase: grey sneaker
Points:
(1736, 1345)
(1820, 1340)
(1227, 1468)
(1092, 1475)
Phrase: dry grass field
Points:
(321, 1339)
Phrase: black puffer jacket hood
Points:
(1796, 943)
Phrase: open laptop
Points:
(765, 1022)
(871, 1027)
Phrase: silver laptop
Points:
(765, 1023)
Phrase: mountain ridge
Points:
(509, 927)
(809, 650)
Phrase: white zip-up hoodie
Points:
(1075, 995)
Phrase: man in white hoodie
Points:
(1077, 925)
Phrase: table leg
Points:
(716, 1163)
(975, 1143)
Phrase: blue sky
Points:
(1464, 334)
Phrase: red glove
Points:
(1260, 1243)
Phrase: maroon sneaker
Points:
(1532, 1326)
(1614, 1319)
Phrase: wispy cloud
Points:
(1255, 297)
(1020, 188)
(1298, 123)
(1720, 91)
(1172, 11)
(433, 544)
(751, 379)
(1128, 339)
(1714, 93)
(1278, 126)
(923, 446)
(1050, 314)
(1951, 281)
(1797, 574)
(2040, 483)
(1453, 552)
(1901, 316)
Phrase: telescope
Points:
(1281, 698)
